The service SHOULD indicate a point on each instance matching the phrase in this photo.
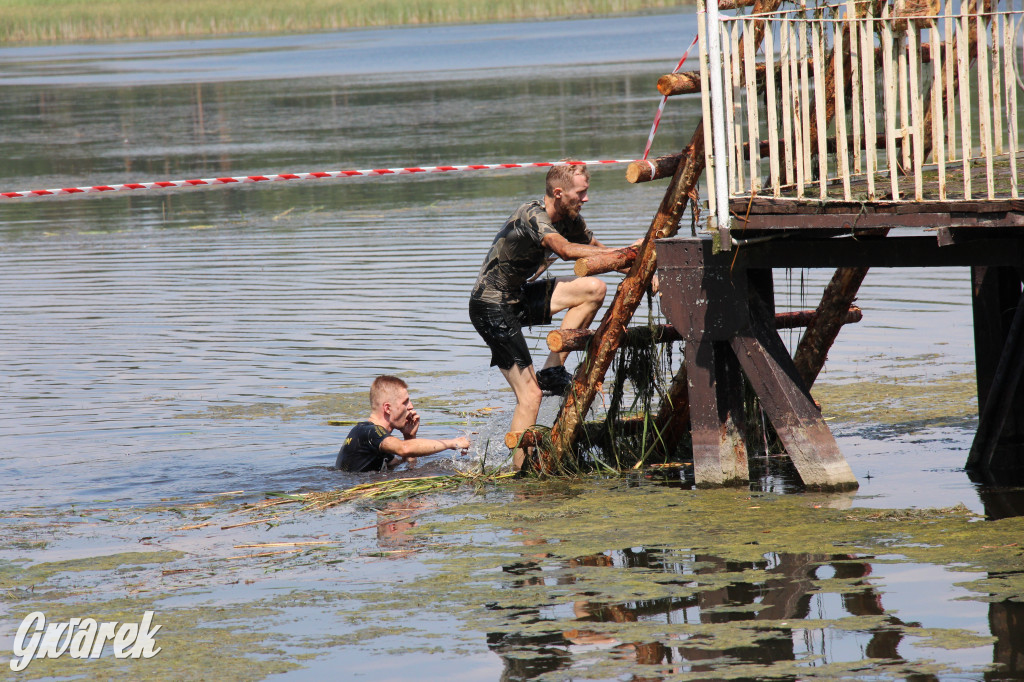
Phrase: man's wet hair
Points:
(561, 176)
(382, 388)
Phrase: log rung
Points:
(563, 340)
(530, 438)
(605, 262)
(661, 167)
(689, 83)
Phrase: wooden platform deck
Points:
(757, 215)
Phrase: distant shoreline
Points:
(28, 22)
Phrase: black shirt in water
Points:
(361, 451)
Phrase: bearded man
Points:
(509, 292)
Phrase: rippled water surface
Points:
(178, 343)
(193, 340)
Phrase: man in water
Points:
(370, 445)
(508, 293)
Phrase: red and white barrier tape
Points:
(661, 107)
(132, 186)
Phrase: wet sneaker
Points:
(554, 380)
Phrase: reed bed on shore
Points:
(60, 21)
(375, 491)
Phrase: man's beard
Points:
(570, 211)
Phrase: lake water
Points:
(177, 343)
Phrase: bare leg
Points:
(528, 397)
(581, 298)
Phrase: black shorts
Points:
(501, 324)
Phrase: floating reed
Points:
(393, 488)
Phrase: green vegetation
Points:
(58, 21)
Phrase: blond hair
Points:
(382, 388)
(561, 176)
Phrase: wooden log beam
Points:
(605, 262)
(688, 82)
(565, 340)
(802, 318)
(631, 291)
(577, 339)
(729, 5)
(645, 171)
(665, 166)
(530, 438)
(824, 327)
(681, 83)
(522, 439)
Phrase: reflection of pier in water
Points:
(768, 607)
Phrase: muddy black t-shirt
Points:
(517, 252)
(361, 451)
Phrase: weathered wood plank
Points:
(796, 419)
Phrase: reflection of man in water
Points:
(370, 445)
(508, 295)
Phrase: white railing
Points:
(908, 111)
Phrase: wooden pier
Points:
(849, 136)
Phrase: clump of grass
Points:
(59, 21)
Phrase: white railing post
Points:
(719, 150)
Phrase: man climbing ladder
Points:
(509, 293)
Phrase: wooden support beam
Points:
(564, 340)
(681, 83)
(896, 252)
(802, 318)
(1000, 401)
(708, 305)
(522, 439)
(726, 315)
(997, 345)
(785, 399)
(715, 390)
